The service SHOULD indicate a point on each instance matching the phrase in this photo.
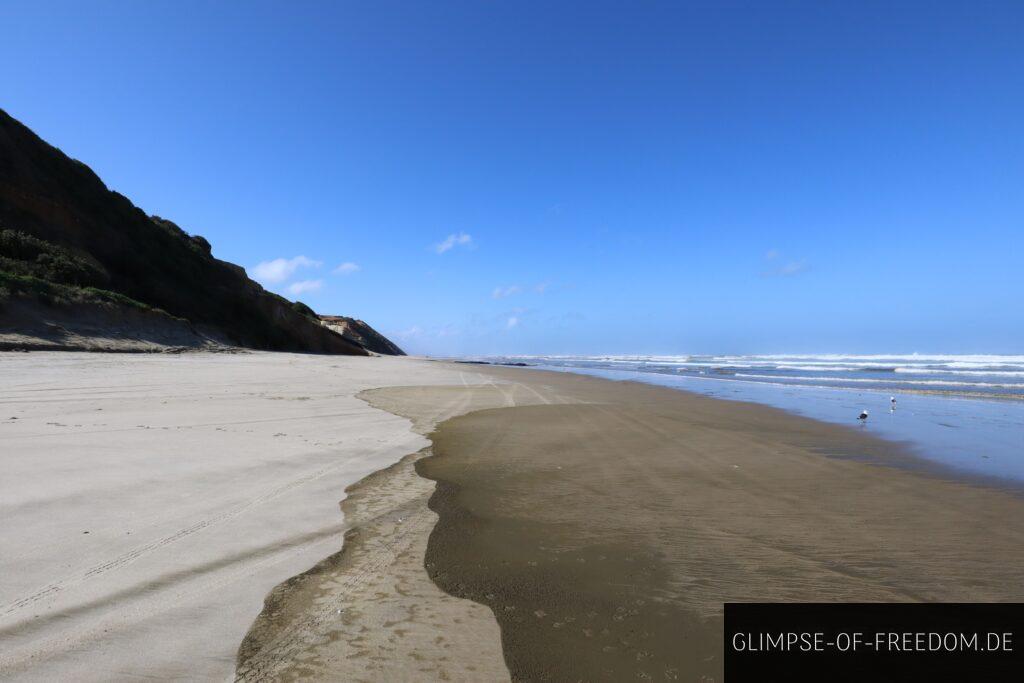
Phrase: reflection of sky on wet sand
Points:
(977, 436)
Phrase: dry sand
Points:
(601, 525)
(151, 502)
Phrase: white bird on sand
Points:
(863, 415)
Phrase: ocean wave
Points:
(837, 368)
(862, 380)
(872, 359)
(988, 359)
(978, 373)
(902, 363)
(850, 368)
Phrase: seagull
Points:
(892, 401)
(863, 415)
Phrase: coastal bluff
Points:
(361, 333)
(83, 268)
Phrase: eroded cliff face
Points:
(71, 248)
(361, 333)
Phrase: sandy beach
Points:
(177, 516)
(150, 502)
(488, 342)
(611, 520)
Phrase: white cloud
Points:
(453, 240)
(502, 292)
(772, 254)
(280, 269)
(347, 268)
(511, 323)
(302, 286)
(542, 287)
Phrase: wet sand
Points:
(583, 529)
(606, 535)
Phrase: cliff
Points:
(83, 267)
(360, 333)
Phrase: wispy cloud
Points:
(280, 269)
(502, 292)
(448, 331)
(512, 323)
(413, 332)
(347, 268)
(303, 286)
(794, 268)
(788, 269)
(453, 240)
(779, 268)
(432, 332)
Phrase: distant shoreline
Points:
(971, 376)
(921, 392)
(963, 437)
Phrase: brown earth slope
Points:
(362, 334)
(71, 248)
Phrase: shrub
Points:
(12, 284)
(27, 255)
(303, 309)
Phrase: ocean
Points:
(964, 413)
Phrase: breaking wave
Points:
(968, 374)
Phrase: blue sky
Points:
(569, 177)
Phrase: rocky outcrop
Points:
(360, 333)
(70, 246)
